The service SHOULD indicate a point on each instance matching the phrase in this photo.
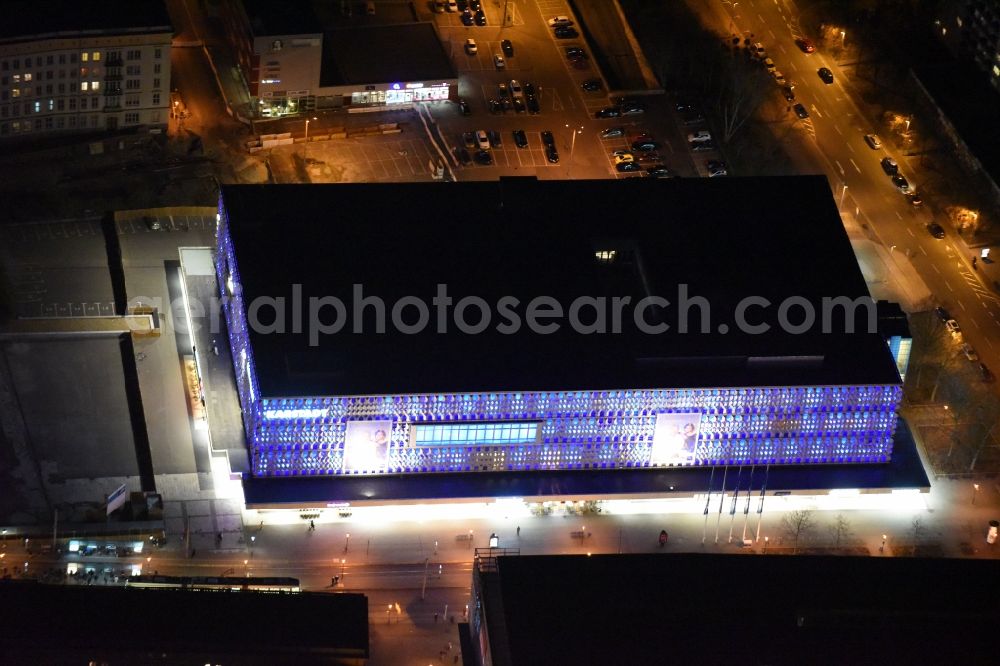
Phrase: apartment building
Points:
(66, 67)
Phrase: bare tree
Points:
(840, 529)
(796, 524)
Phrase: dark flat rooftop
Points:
(130, 623)
(743, 609)
(288, 17)
(725, 238)
(905, 470)
(29, 19)
(395, 53)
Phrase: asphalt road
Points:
(834, 143)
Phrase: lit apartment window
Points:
(15, 92)
(27, 76)
(52, 104)
(95, 85)
(38, 107)
(16, 78)
(96, 56)
(996, 70)
(84, 85)
(84, 57)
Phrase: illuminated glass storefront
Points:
(399, 93)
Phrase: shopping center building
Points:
(391, 356)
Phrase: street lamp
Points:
(343, 564)
(307, 127)
(347, 542)
(843, 35)
(975, 491)
(842, 195)
(766, 539)
(246, 568)
(881, 548)
(388, 612)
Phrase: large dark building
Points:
(733, 609)
(682, 385)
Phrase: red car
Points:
(804, 44)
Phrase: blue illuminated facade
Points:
(605, 429)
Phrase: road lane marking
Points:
(838, 129)
(910, 231)
(976, 323)
(948, 284)
(962, 305)
(936, 269)
(840, 168)
(761, 18)
(855, 166)
(850, 148)
(897, 214)
(773, 36)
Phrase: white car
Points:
(560, 21)
(969, 352)
(483, 139)
(700, 136)
(769, 64)
(471, 47)
(515, 88)
(498, 61)
(452, 6)
(953, 327)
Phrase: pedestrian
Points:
(435, 617)
(312, 525)
(449, 645)
(194, 552)
(518, 530)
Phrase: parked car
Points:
(463, 106)
(467, 18)
(612, 132)
(700, 135)
(515, 88)
(452, 6)
(701, 146)
(480, 18)
(608, 112)
(495, 140)
(873, 141)
(471, 47)
(507, 47)
(757, 50)
(915, 199)
(825, 74)
(519, 105)
(633, 110)
(628, 166)
(986, 374)
(805, 45)
(463, 156)
(533, 106)
(560, 21)
(769, 64)
(899, 180)
(575, 53)
(552, 154)
(520, 139)
(469, 138)
(942, 314)
(650, 157)
(592, 85)
(716, 168)
(969, 352)
(498, 61)
(953, 327)
(800, 111)
(548, 139)
(529, 88)
(503, 90)
(620, 156)
(484, 157)
(889, 166)
(495, 106)
(482, 139)
(788, 93)
(779, 78)
(659, 171)
(645, 146)
(566, 33)
(936, 230)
